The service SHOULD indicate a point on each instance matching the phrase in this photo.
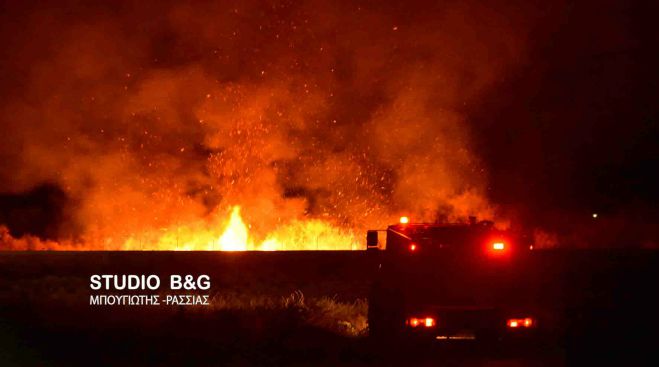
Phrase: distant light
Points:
(404, 220)
(413, 247)
(499, 246)
(421, 321)
(527, 322)
(594, 215)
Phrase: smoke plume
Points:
(155, 115)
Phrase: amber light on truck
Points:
(421, 322)
(526, 322)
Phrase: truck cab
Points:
(474, 238)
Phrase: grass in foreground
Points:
(340, 317)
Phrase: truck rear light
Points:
(498, 246)
(427, 322)
(526, 322)
(404, 220)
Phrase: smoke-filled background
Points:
(130, 122)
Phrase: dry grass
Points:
(255, 296)
(344, 318)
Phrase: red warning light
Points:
(498, 246)
(413, 247)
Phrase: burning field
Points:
(169, 169)
(243, 125)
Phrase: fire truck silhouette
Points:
(454, 282)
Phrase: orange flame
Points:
(310, 234)
(235, 236)
(231, 234)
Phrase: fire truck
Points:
(455, 283)
(473, 284)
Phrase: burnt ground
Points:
(293, 308)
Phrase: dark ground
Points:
(293, 308)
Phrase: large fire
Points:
(244, 126)
(232, 234)
(235, 236)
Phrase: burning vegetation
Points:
(244, 126)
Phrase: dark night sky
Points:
(575, 130)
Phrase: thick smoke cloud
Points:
(152, 114)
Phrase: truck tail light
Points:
(526, 322)
(498, 246)
(424, 322)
